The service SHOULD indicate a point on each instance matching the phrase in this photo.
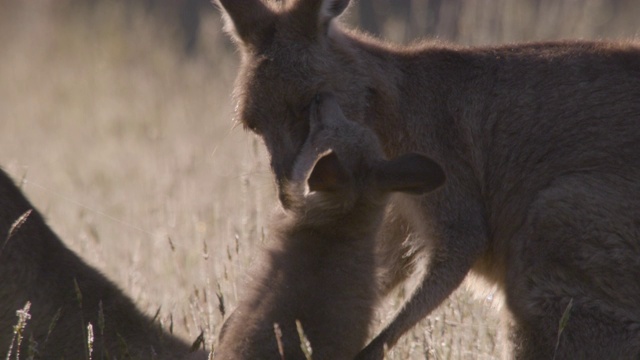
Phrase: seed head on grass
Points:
(89, 340)
(18, 330)
(305, 345)
(78, 294)
(278, 333)
(87, 351)
(15, 227)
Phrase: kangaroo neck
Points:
(413, 93)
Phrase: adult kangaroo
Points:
(540, 143)
(320, 265)
(67, 295)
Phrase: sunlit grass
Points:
(127, 148)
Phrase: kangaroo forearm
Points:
(462, 240)
(443, 278)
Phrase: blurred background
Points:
(116, 120)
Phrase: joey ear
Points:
(314, 16)
(410, 173)
(246, 21)
(328, 174)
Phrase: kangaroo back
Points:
(66, 295)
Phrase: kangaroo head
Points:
(290, 51)
(341, 167)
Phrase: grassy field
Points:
(128, 148)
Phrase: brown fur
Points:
(540, 143)
(320, 267)
(36, 266)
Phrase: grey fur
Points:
(541, 146)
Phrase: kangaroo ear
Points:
(410, 173)
(314, 16)
(246, 21)
(328, 174)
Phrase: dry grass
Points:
(129, 150)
